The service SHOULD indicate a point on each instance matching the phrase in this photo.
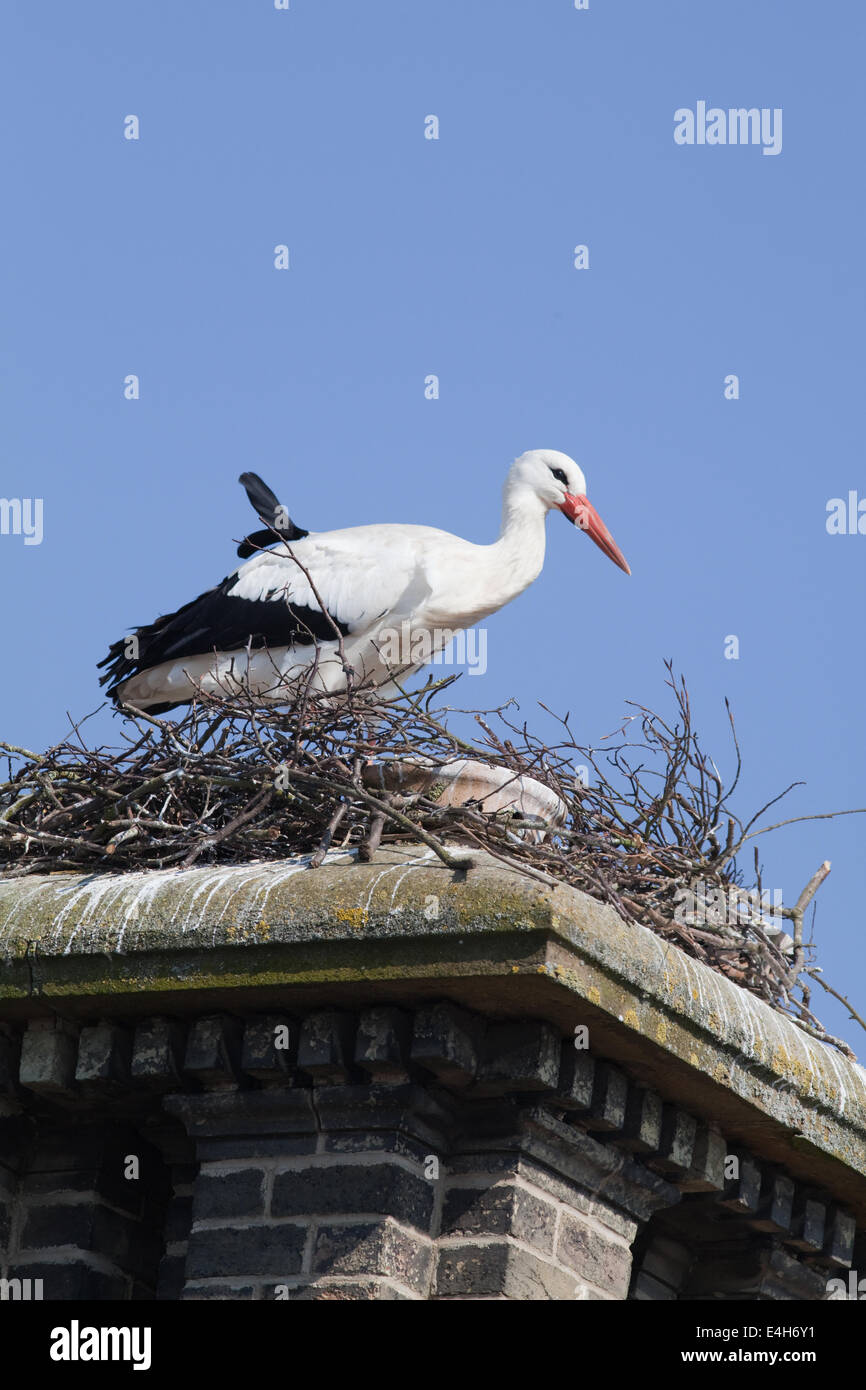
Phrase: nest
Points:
(647, 825)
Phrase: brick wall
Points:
(379, 1153)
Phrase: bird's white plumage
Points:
(374, 580)
(352, 589)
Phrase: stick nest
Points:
(648, 827)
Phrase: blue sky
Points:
(454, 257)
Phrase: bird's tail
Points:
(272, 513)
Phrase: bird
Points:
(366, 604)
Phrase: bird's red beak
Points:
(583, 514)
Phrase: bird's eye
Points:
(559, 475)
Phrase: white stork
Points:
(264, 624)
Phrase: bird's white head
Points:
(557, 481)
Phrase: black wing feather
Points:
(216, 621)
(272, 513)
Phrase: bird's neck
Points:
(519, 551)
(477, 580)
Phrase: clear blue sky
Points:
(412, 256)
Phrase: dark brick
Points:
(519, 1057)
(369, 1109)
(257, 1114)
(472, 1269)
(476, 1271)
(48, 1060)
(213, 1048)
(221, 1251)
(609, 1096)
(501, 1210)
(96, 1229)
(677, 1145)
(599, 1261)
(157, 1053)
(642, 1127)
(383, 1142)
(368, 1248)
(108, 1184)
(281, 1146)
(630, 1191)
(326, 1046)
(446, 1040)
(382, 1043)
(260, 1056)
(807, 1223)
(839, 1233)
(707, 1171)
(576, 1078)
(239, 1193)
(776, 1204)
(200, 1293)
(47, 1226)
(94, 1161)
(104, 1052)
(743, 1193)
(350, 1291)
(384, 1189)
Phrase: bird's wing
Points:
(358, 575)
(277, 599)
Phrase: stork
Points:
(335, 599)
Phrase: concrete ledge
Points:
(404, 928)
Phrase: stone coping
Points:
(403, 928)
